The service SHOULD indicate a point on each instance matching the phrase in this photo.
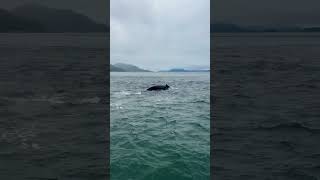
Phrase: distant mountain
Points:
(229, 28)
(185, 70)
(224, 27)
(58, 20)
(233, 28)
(115, 69)
(312, 29)
(121, 67)
(13, 23)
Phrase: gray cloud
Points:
(162, 34)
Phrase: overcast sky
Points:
(251, 12)
(160, 34)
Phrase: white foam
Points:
(127, 93)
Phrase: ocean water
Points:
(53, 104)
(266, 106)
(160, 135)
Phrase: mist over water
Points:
(163, 134)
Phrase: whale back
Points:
(158, 87)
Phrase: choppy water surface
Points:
(266, 106)
(53, 103)
(160, 135)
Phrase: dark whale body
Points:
(158, 88)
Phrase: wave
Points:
(60, 100)
(201, 101)
(93, 100)
(290, 126)
(116, 106)
(127, 93)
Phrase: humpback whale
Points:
(158, 87)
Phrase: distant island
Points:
(234, 28)
(185, 70)
(41, 19)
(122, 67)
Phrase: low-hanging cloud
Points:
(160, 34)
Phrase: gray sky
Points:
(160, 34)
(97, 10)
(267, 12)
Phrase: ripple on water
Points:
(162, 134)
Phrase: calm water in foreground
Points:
(160, 135)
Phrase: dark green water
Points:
(160, 135)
